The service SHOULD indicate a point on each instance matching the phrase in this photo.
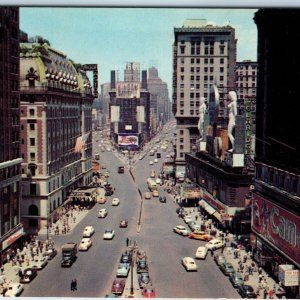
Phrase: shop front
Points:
(276, 238)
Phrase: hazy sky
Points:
(111, 37)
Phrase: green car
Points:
(236, 279)
(227, 268)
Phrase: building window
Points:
(182, 69)
(32, 188)
(31, 112)
(181, 147)
(221, 50)
(181, 132)
(192, 77)
(206, 61)
(181, 111)
(181, 154)
(211, 69)
(211, 60)
(192, 69)
(181, 95)
(181, 140)
(198, 60)
(32, 156)
(221, 78)
(205, 69)
(31, 126)
(182, 77)
(32, 141)
(182, 60)
(192, 60)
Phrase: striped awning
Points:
(207, 207)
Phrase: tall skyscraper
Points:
(203, 54)
(276, 198)
(11, 229)
(159, 95)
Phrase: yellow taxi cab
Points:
(155, 193)
(200, 235)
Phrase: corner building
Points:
(202, 54)
(56, 110)
(11, 228)
(276, 198)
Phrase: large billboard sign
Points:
(277, 225)
(128, 139)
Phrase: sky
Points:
(110, 37)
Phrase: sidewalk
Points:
(250, 279)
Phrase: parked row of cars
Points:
(236, 279)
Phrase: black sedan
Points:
(142, 266)
(144, 280)
(126, 258)
(28, 275)
(246, 291)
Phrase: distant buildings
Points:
(203, 54)
(56, 122)
(129, 109)
(11, 229)
(159, 100)
(276, 198)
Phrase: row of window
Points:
(204, 60)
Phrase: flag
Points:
(80, 143)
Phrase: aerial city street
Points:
(163, 184)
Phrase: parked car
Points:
(108, 192)
(126, 258)
(142, 266)
(189, 264)
(28, 275)
(102, 213)
(88, 231)
(181, 230)
(14, 289)
(123, 270)
(201, 252)
(144, 280)
(115, 202)
(141, 255)
(236, 279)
(149, 293)
(217, 244)
(163, 199)
(39, 263)
(246, 291)
(200, 235)
(226, 268)
(118, 286)
(123, 224)
(158, 181)
(109, 234)
(50, 253)
(85, 244)
(150, 162)
(219, 259)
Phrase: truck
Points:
(151, 185)
(69, 252)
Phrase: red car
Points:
(123, 224)
(149, 293)
(118, 286)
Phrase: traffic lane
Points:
(165, 258)
(84, 264)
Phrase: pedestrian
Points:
(223, 248)
(75, 284)
(127, 242)
(260, 278)
(265, 293)
(20, 273)
(245, 258)
(259, 270)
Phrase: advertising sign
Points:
(128, 90)
(114, 113)
(12, 238)
(249, 104)
(190, 193)
(277, 225)
(129, 139)
(288, 275)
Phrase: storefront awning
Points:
(202, 203)
(208, 207)
(218, 216)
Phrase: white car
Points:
(201, 252)
(155, 160)
(158, 181)
(188, 218)
(108, 234)
(88, 231)
(151, 162)
(115, 202)
(14, 289)
(123, 270)
(214, 243)
(39, 263)
(102, 213)
(181, 230)
(189, 264)
(85, 244)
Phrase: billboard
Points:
(128, 139)
(277, 225)
(128, 90)
(189, 192)
(140, 114)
